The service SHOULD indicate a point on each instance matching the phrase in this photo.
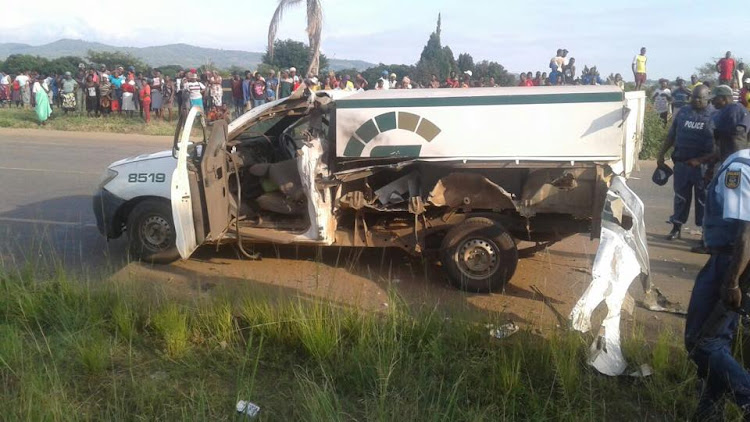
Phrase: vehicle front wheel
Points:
(151, 233)
(479, 255)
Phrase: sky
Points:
(522, 36)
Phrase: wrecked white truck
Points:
(464, 175)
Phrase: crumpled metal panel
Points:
(470, 190)
(621, 258)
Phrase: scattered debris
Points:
(248, 409)
(643, 371)
(158, 376)
(657, 302)
(504, 331)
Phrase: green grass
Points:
(99, 350)
(26, 119)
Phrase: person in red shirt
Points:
(522, 80)
(525, 81)
(725, 67)
(145, 95)
(452, 81)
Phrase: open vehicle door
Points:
(182, 203)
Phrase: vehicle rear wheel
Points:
(151, 233)
(479, 255)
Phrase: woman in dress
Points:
(69, 88)
(128, 92)
(42, 107)
(216, 91)
(105, 94)
(4, 89)
(15, 95)
(145, 95)
(157, 95)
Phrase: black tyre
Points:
(479, 255)
(151, 234)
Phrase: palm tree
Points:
(314, 27)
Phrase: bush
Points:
(654, 133)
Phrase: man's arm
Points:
(667, 144)
(738, 265)
(635, 59)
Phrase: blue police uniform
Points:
(692, 131)
(727, 203)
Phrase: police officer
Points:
(726, 233)
(691, 135)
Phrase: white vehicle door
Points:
(182, 205)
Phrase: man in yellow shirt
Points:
(639, 69)
(694, 82)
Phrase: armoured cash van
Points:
(463, 175)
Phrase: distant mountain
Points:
(179, 54)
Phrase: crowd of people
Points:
(99, 91)
(95, 92)
(668, 98)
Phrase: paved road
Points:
(46, 179)
(46, 182)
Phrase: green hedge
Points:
(654, 134)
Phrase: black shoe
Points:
(701, 249)
(676, 233)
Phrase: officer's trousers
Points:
(721, 373)
(688, 182)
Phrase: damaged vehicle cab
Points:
(463, 174)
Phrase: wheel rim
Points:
(156, 233)
(477, 258)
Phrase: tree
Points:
(374, 73)
(290, 53)
(486, 69)
(170, 69)
(112, 59)
(61, 65)
(707, 72)
(435, 59)
(465, 62)
(17, 63)
(314, 29)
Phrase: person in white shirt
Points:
(23, 82)
(384, 79)
(392, 81)
(196, 89)
(739, 73)
(4, 89)
(662, 98)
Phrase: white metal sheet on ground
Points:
(622, 256)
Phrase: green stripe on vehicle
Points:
(597, 97)
(396, 151)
